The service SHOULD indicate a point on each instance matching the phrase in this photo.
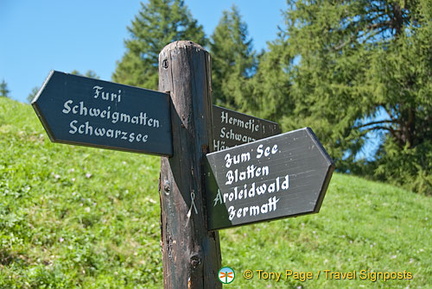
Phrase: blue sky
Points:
(39, 36)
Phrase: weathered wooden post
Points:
(191, 254)
(284, 175)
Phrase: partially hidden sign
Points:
(276, 177)
(92, 112)
(232, 128)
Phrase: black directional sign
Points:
(276, 177)
(92, 112)
(232, 128)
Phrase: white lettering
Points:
(255, 210)
(82, 109)
(66, 106)
(87, 129)
(218, 199)
(237, 159)
(97, 90)
(73, 129)
(267, 151)
(251, 172)
(254, 190)
(109, 96)
(246, 124)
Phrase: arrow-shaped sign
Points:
(276, 177)
(92, 112)
(232, 128)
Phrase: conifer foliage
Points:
(359, 67)
(233, 61)
(4, 91)
(351, 70)
(158, 23)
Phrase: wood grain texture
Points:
(191, 254)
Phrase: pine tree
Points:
(32, 94)
(233, 61)
(271, 84)
(353, 61)
(158, 23)
(89, 73)
(4, 91)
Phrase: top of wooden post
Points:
(182, 44)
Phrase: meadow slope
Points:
(76, 217)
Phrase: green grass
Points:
(76, 217)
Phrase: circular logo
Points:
(226, 275)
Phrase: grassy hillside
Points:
(75, 217)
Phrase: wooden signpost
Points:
(232, 128)
(190, 252)
(278, 176)
(92, 112)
